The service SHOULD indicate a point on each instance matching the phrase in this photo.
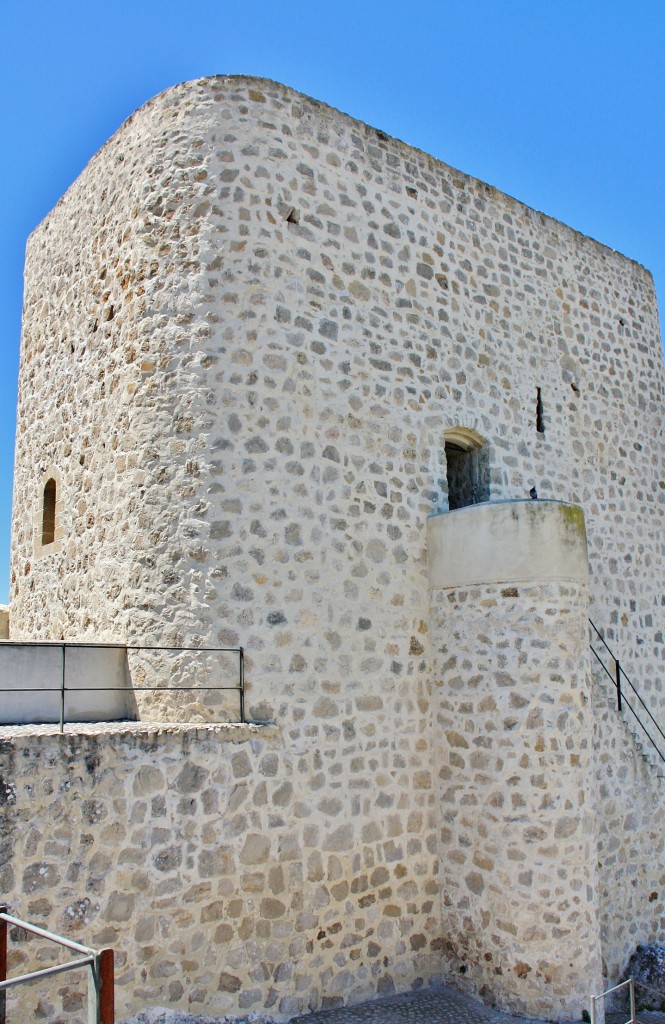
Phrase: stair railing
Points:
(618, 678)
(99, 963)
(630, 984)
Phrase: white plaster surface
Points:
(500, 541)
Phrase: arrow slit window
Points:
(48, 512)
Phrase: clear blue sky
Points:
(556, 102)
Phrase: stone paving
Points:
(442, 1006)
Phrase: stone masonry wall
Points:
(518, 880)
(248, 325)
(630, 835)
(206, 857)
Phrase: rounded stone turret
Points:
(514, 739)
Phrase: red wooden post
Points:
(106, 995)
(3, 965)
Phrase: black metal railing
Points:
(129, 688)
(619, 678)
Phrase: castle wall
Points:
(245, 391)
(630, 833)
(216, 864)
(247, 327)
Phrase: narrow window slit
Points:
(540, 422)
(48, 512)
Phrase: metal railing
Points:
(99, 962)
(618, 679)
(631, 991)
(130, 688)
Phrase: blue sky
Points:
(558, 103)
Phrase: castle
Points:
(289, 384)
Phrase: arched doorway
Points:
(467, 468)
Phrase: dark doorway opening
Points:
(467, 471)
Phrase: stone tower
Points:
(264, 346)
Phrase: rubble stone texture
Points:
(248, 326)
(518, 875)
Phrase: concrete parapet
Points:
(506, 541)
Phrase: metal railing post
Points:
(3, 964)
(620, 677)
(62, 693)
(242, 684)
(93, 993)
(630, 982)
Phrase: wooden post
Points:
(107, 992)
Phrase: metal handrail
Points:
(101, 1009)
(615, 988)
(619, 674)
(63, 689)
(114, 646)
(622, 672)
